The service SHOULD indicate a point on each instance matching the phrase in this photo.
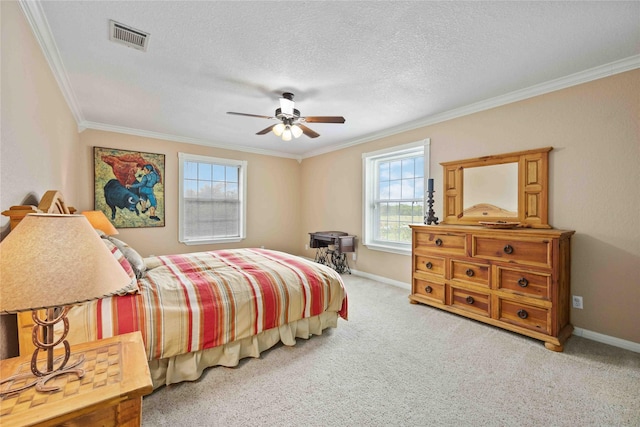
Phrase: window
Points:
(212, 199)
(394, 195)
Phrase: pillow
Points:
(134, 258)
(132, 288)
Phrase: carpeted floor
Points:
(399, 364)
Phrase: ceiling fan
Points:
(291, 123)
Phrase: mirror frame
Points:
(533, 188)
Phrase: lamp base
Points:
(40, 382)
(45, 328)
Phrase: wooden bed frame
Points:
(52, 202)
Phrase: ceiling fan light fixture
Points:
(296, 131)
(286, 135)
(279, 128)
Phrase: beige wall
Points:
(332, 201)
(38, 137)
(273, 193)
(41, 150)
(594, 180)
(593, 168)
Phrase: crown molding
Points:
(610, 69)
(34, 14)
(167, 137)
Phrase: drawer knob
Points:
(438, 242)
(508, 249)
(469, 272)
(523, 314)
(523, 282)
(470, 300)
(429, 265)
(428, 289)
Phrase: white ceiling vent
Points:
(128, 36)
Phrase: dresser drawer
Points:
(478, 274)
(474, 302)
(430, 265)
(516, 279)
(531, 252)
(527, 316)
(430, 290)
(445, 243)
(523, 282)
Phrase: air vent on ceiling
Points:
(128, 36)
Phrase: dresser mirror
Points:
(492, 186)
(509, 188)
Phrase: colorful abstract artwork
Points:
(129, 187)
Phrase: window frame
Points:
(242, 189)
(370, 183)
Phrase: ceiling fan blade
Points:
(250, 115)
(309, 132)
(265, 130)
(323, 119)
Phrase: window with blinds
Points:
(212, 199)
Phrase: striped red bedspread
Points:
(195, 301)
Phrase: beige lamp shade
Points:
(99, 221)
(52, 260)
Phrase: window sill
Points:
(394, 249)
(211, 242)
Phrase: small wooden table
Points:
(109, 394)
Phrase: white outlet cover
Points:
(577, 302)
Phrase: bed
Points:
(203, 309)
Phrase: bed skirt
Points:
(189, 366)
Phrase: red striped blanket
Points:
(195, 301)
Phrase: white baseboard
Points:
(607, 339)
(386, 280)
(579, 332)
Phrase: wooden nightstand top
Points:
(116, 371)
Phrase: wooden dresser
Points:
(516, 279)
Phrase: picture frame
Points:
(129, 187)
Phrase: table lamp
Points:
(51, 262)
(98, 220)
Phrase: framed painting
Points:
(129, 187)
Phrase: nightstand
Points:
(109, 394)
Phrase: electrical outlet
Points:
(353, 256)
(262, 247)
(577, 302)
(306, 247)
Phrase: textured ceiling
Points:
(385, 66)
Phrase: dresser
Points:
(516, 279)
